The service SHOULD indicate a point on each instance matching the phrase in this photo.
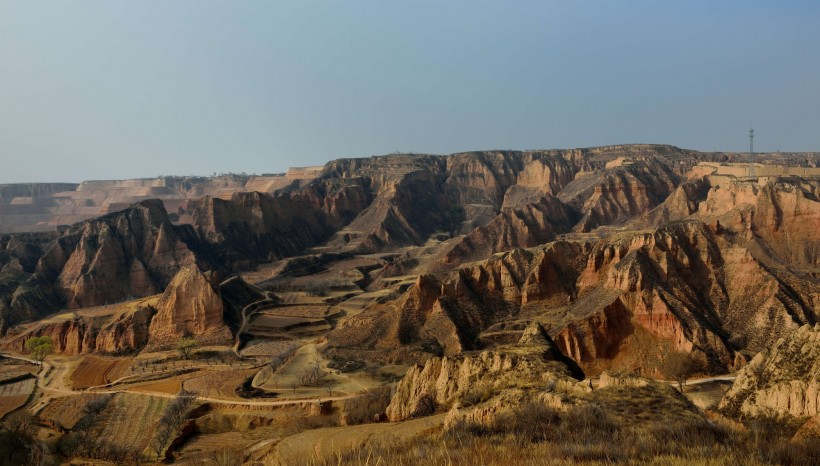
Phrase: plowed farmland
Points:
(94, 370)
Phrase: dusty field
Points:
(169, 385)
(285, 380)
(12, 371)
(95, 370)
(266, 320)
(266, 347)
(300, 298)
(129, 420)
(262, 272)
(358, 303)
(66, 411)
(306, 312)
(15, 394)
(10, 403)
(219, 384)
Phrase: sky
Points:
(114, 89)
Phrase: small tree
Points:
(679, 366)
(186, 346)
(39, 347)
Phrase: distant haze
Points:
(123, 89)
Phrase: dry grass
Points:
(579, 437)
(651, 426)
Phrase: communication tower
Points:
(751, 152)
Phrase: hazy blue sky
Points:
(115, 89)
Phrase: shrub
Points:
(425, 406)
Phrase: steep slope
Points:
(531, 225)
(117, 329)
(127, 254)
(616, 195)
(254, 227)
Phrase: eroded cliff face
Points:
(254, 227)
(620, 303)
(360, 205)
(616, 195)
(190, 306)
(784, 380)
(121, 332)
(528, 226)
(780, 218)
(128, 254)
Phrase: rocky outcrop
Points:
(442, 382)
(191, 305)
(784, 380)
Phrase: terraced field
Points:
(214, 443)
(304, 312)
(299, 320)
(219, 384)
(9, 372)
(267, 348)
(15, 394)
(170, 385)
(129, 419)
(66, 411)
(94, 370)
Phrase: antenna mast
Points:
(751, 152)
